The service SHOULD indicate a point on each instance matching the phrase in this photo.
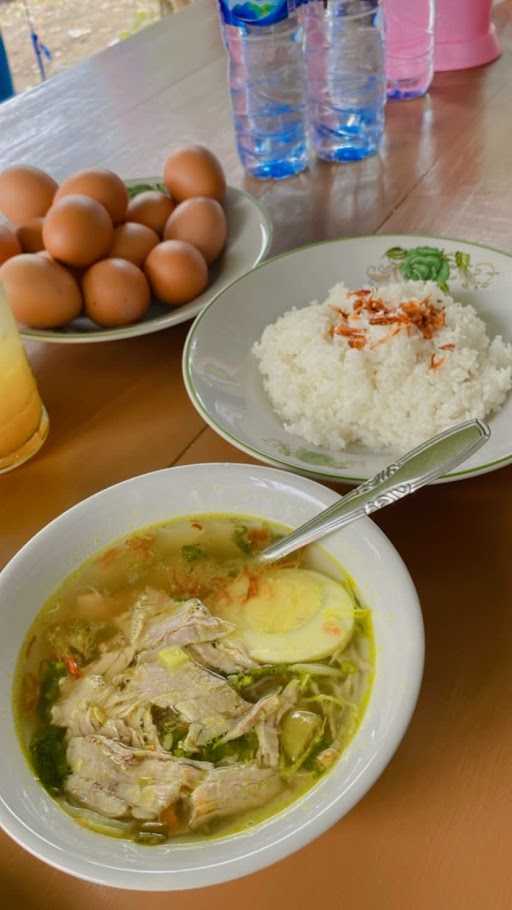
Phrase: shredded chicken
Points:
(116, 781)
(225, 791)
(268, 744)
(257, 713)
(205, 701)
(228, 656)
(267, 728)
(118, 765)
(192, 623)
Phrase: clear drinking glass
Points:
(23, 417)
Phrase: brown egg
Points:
(41, 293)
(201, 222)
(115, 292)
(133, 242)
(177, 272)
(78, 231)
(30, 235)
(194, 171)
(151, 209)
(102, 185)
(25, 193)
(9, 243)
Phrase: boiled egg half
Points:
(295, 615)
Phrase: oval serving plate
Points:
(224, 383)
(250, 234)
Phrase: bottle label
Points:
(256, 12)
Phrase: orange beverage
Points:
(23, 418)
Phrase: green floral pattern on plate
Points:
(430, 263)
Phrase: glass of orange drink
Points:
(23, 417)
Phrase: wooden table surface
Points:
(434, 832)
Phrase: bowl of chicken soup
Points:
(176, 714)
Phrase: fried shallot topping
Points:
(411, 316)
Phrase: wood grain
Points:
(433, 834)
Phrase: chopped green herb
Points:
(191, 552)
(243, 680)
(240, 536)
(48, 751)
(171, 730)
(242, 749)
(53, 672)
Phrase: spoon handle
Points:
(417, 468)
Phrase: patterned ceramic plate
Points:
(220, 371)
(250, 233)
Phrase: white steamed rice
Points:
(390, 397)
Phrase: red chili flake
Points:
(447, 347)
(109, 556)
(436, 361)
(258, 537)
(331, 628)
(72, 666)
(253, 586)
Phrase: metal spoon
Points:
(419, 467)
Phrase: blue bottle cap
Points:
(255, 12)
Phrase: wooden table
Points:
(434, 833)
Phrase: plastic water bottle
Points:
(264, 41)
(345, 77)
(409, 29)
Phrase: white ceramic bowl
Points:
(30, 816)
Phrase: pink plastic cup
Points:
(464, 34)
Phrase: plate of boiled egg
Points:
(99, 258)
